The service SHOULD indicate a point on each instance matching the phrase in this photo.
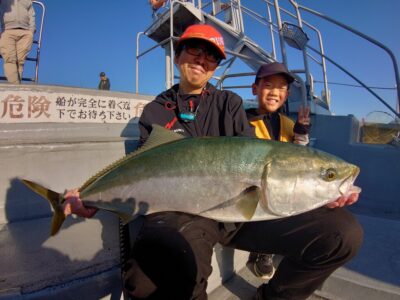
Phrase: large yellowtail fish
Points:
(229, 179)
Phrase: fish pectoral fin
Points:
(247, 202)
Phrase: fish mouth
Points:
(347, 187)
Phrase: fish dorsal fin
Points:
(158, 136)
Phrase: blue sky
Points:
(83, 38)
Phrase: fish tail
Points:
(55, 200)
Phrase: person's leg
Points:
(174, 251)
(8, 51)
(313, 244)
(24, 45)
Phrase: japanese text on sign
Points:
(50, 107)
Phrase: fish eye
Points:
(329, 174)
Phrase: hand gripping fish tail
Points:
(61, 205)
(55, 200)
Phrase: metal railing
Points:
(365, 37)
(212, 9)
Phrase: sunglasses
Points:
(197, 50)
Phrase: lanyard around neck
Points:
(189, 117)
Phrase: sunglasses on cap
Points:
(197, 49)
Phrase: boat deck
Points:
(373, 274)
(39, 149)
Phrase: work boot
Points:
(261, 265)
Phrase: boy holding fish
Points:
(271, 88)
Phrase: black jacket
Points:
(219, 113)
(272, 122)
(104, 84)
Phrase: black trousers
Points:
(174, 250)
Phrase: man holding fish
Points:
(171, 258)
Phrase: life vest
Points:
(286, 129)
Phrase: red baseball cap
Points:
(206, 33)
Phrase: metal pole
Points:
(169, 62)
(305, 60)
(321, 47)
(271, 30)
(39, 40)
(240, 16)
(281, 40)
(137, 62)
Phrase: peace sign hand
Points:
(304, 115)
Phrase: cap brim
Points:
(220, 52)
(288, 76)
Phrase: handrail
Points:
(359, 81)
(169, 65)
(138, 35)
(319, 36)
(321, 52)
(138, 55)
(321, 47)
(366, 37)
(40, 39)
(305, 90)
(237, 6)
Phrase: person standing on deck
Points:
(17, 29)
(104, 83)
